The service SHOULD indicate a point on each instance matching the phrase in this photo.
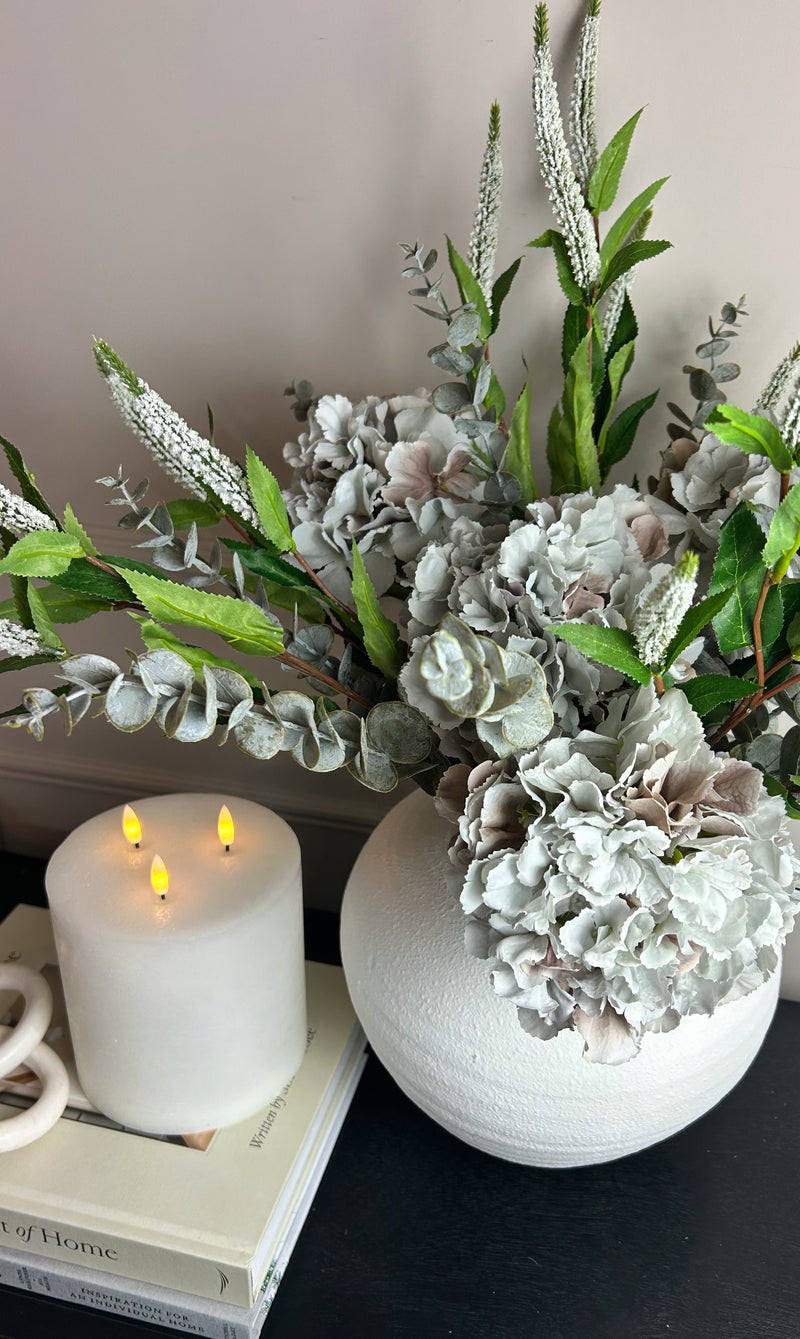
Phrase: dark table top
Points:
(413, 1233)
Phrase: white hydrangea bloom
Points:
(18, 641)
(21, 517)
(625, 878)
(573, 557)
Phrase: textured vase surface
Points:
(458, 1050)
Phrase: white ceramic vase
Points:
(457, 1049)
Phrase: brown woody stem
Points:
(295, 663)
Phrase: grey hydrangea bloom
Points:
(393, 475)
(573, 557)
(625, 878)
(706, 481)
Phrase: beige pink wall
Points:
(218, 189)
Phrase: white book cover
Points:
(179, 1311)
(198, 1213)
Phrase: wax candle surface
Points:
(186, 1013)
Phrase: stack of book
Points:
(193, 1233)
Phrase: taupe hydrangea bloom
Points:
(623, 879)
(389, 474)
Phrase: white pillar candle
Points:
(187, 1011)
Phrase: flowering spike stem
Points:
(21, 517)
(662, 609)
(582, 128)
(778, 383)
(197, 465)
(483, 240)
(558, 174)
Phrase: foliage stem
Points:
(320, 584)
(295, 663)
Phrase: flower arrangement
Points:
(590, 679)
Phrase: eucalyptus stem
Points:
(309, 672)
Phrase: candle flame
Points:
(225, 827)
(131, 826)
(159, 877)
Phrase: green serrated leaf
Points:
(500, 290)
(495, 397)
(381, 640)
(62, 605)
(186, 511)
(518, 451)
(618, 367)
(693, 622)
(610, 646)
(10, 663)
(43, 553)
(708, 691)
(751, 433)
(560, 458)
(628, 219)
(269, 504)
(573, 332)
(25, 479)
(625, 259)
(17, 608)
(576, 427)
(738, 567)
(783, 539)
(627, 328)
(241, 625)
(42, 620)
(262, 563)
(72, 526)
(604, 181)
(569, 287)
(470, 290)
(90, 581)
(622, 432)
(157, 638)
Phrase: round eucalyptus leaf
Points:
(726, 372)
(463, 331)
(374, 771)
(197, 722)
(348, 728)
(712, 348)
(259, 736)
(93, 671)
(452, 361)
(128, 704)
(169, 671)
(702, 385)
(451, 396)
(399, 731)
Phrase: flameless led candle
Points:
(182, 961)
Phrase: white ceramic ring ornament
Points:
(23, 1045)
